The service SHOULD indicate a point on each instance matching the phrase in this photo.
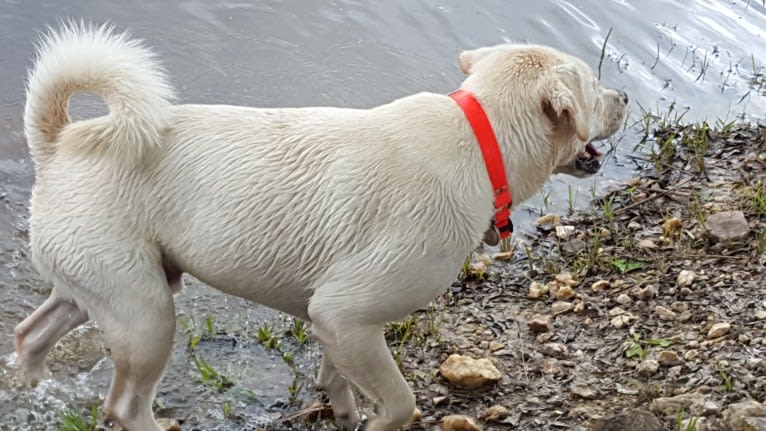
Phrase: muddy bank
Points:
(652, 300)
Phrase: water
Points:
(701, 55)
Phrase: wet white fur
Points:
(347, 218)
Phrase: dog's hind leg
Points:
(339, 391)
(138, 321)
(38, 333)
(360, 354)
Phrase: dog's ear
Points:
(467, 59)
(564, 101)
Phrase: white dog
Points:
(345, 218)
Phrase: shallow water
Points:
(702, 55)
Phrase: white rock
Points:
(646, 244)
(551, 219)
(459, 423)
(669, 358)
(566, 279)
(686, 278)
(719, 330)
(665, 313)
(623, 299)
(648, 367)
(467, 372)
(600, 286)
(537, 290)
(495, 413)
(561, 307)
(564, 232)
(565, 292)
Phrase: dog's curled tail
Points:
(83, 57)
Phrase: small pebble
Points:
(719, 330)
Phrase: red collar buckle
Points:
(493, 158)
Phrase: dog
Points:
(345, 218)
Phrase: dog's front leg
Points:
(359, 352)
(339, 391)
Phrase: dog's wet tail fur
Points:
(82, 57)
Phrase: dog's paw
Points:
(164, 424)
(169, 424)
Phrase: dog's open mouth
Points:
(589, 160)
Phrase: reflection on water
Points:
(701, 54)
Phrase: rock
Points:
(467, 372)
(689, 402)
(616, 311)
(691, 355)
(696, 423)
(540, 323)
(566, 279)
(672, 226)
(503, 256)
(600, 286)
(620, 321)
(585, 391)
(760, 314)
(634, 225)
(754, 424)
(565, 292)
(685, 278)
(478, 269)
(634, 420)
(552, 366)
(648, 367)
(664, 313)
(537, 290)
(727, 226)
(561, 307)
(459, 423)
(719, 330)
(579, 306)
(623, 299)
(564, 232)
(737, 415)
(756, 364)
(669, 358)
(495, 413)
(672, 405)
(556, 350)
(707, 408)
(550, 219)
(645, 293)
(494, 346)
(417, 416)
(646, 244)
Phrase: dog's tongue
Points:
(591, 149)
(590, 152)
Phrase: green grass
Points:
(691, 425)
(72, 420)
(727, 381)
(637, 345)
(210, 376)
(299, 332)
(267, 338)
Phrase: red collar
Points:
(493, 158)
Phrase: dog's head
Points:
(552, 91)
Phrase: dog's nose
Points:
(623, 95)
